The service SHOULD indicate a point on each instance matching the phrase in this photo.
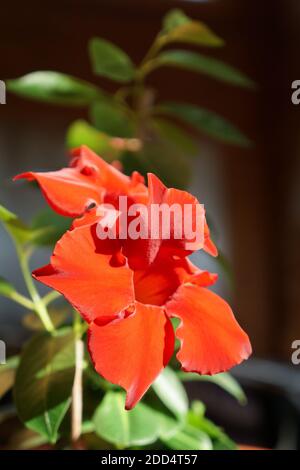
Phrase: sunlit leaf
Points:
(110, 61)
(82, 133)
(44, 382)
(54, 87)
(171, 392)
(178, 27)
(174, 18)
(125, 428)
(141, 426)
(206, 121)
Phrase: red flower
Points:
(131, 338)
(90, 180)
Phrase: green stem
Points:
(50, 297)
(158, 43)
(22, 300)
(39, 305)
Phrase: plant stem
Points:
(22, 300)
(154, 49)
(39, 305)
(77, 396)
(50, 297)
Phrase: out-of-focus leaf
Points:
(125, 428)
(111, 119)
(9, 291)
(110, 61)
(223, 380)
(54, 87)
(206, 121)
(15, 227)
(53, 225)
(197, 419)
(171, 392)
(58, 317)
(189, 438)
(81, 132)
(200, 63)
(175, 18)
(165, 159)
(178, 27)
(175, 135)
(44, 382)
(7, 374)
(6, 288)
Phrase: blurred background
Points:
(252, 195)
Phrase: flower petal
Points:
(158, 193)
(209, 245)
(67, 191)
(90, 274)
(211, 339)
(71, 190)
(178, 234)
(132, 351)
(156, 284)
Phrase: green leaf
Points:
(200, 63)
(189, 438)
(111, 119)
(50, 227)
(168, 161)
(14, 226)
(54, 87)
(180, 28)
(169, 389)
(223, 380)
(82, 133)
(176, 135)
(44, 382)
(141, 426)
(206, 121)
(125, 428)
(7, 374)
(197, 419)
(110, 61)
(174, 18)
(6, 288)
